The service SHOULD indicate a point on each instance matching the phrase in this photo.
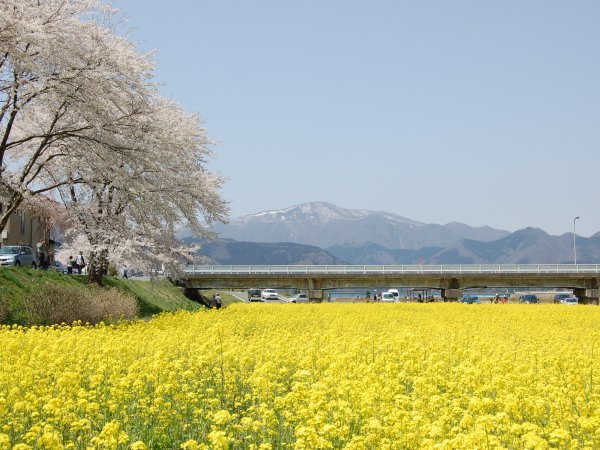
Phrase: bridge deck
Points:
(584, 279)
(445, 269)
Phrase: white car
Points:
(387, 297)
(299, 298)
(269, 294)
(395, 293)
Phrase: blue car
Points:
(468, 299)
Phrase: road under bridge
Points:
(583, 279)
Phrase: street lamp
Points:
(574, 244)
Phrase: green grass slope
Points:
(152, 296)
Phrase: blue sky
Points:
(485, 113)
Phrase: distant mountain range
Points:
(322, 233)
(325, 225)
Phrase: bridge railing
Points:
(396, 269)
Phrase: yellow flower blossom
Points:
(351, 376)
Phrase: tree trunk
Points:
(10, 206)
(97, 266)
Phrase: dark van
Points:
(254, 295)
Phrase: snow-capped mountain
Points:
(319, 212)
(324, 225)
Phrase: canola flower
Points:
(329, 376)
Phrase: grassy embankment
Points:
(152, 297)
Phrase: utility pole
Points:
(574, 243)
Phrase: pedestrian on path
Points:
(79, 263)
(70, 264)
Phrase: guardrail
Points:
(398, 269)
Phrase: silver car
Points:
(299, 298)
(18, 255)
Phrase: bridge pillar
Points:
(315, 295)
(451, 295)
(587, 296)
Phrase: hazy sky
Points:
(486, 113)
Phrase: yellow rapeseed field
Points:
(355, 376)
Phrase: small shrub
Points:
(111, 304)
(112, 271)
(53, 304)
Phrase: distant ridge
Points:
(228, 251)
(527, 246)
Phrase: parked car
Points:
(18, 255)
(299, 298)
(387, 297)
(395, 293)
(254, 295)
(529, 298)
(558, 298)
(59, 267)
(469, 299)
(270, 294)
(571, 300)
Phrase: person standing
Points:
(79, 263)
(40, 253)
(125, 272)
(70, 264)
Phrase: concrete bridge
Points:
(583, 279)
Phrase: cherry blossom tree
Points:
(65, 78)
(81, 119)
(131, 209)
